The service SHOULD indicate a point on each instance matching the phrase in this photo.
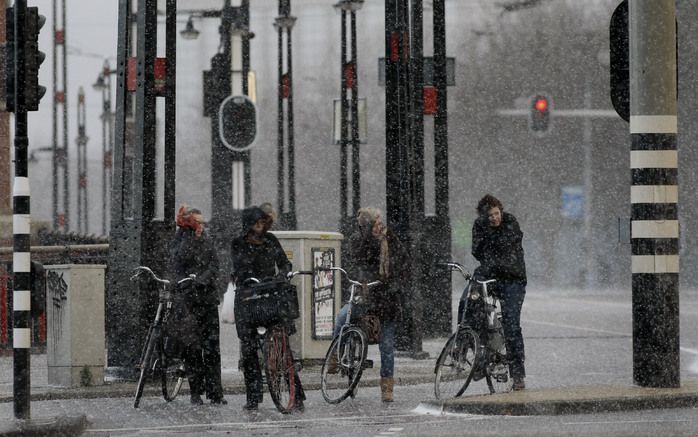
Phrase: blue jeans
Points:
(512, 297)
(386, 346)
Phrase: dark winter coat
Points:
(383, 300)
(258, 260)
(499, 249)
(191, 255)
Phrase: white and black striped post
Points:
(21, 260)
(654, 193)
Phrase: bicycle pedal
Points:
(368, 364)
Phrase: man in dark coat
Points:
(256, 254)
(497, 245)
(192, 253)
(375, 253)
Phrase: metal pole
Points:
(654, 193)
(343, 161)
(55, 157)
(82, 165)
(5, 180)
(292, 220)
(280, 178)
(355, 146)
(588, 189)
(170, 114)
(104, 157)
(21, 264)
(66, 178)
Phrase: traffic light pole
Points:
(21, 265)
(654, 193)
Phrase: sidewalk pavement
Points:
(580, 399)
(536, 400)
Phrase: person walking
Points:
(497, 245)
(376, 253)
(192, 253)
(256, 254)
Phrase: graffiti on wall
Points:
(57, 290)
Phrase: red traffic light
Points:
(541, 104)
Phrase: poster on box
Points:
(323, 293)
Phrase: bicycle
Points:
(276, 358)
(345, 360)
(477, 348)
(154, 358)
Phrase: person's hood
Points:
(250, 216)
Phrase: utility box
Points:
(75, 348)
(320, 295)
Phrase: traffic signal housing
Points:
(539, 116)
(33, 58)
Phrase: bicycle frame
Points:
(354, 298)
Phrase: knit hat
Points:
(250, 216)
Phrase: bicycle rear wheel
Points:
(454, 368)
(172, 374)
(343, 365)
(147, 362)
(280, 370)
(499, 379)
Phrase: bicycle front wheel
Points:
(454, 368)
(343, 365)
(172, 374)
(280, 370)
(147, 362)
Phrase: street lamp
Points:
(103, 84)
(190, 32)
(348, 5)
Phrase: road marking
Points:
(610, 422)
(603, 331)
(273, 424)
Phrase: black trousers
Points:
(249, 344)
(204, 359)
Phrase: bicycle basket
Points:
(371, 325)
(266, 304)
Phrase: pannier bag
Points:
(371, 325)
(266, 304)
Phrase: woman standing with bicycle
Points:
(376, 253)
(192, 253)
(497, 240)
(256, 254)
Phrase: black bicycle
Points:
(346, 357)
(477, 349)
(270, 306)
(157, 357)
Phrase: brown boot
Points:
(387, 389)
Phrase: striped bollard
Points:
(654, 193)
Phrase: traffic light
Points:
(9, 60)
(33, 58)
(539, 117)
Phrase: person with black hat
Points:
(256, 254)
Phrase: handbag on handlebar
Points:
(371, 325)
(267, 303)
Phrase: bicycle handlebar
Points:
(351, 281)
(456, 266)
(141, 269)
